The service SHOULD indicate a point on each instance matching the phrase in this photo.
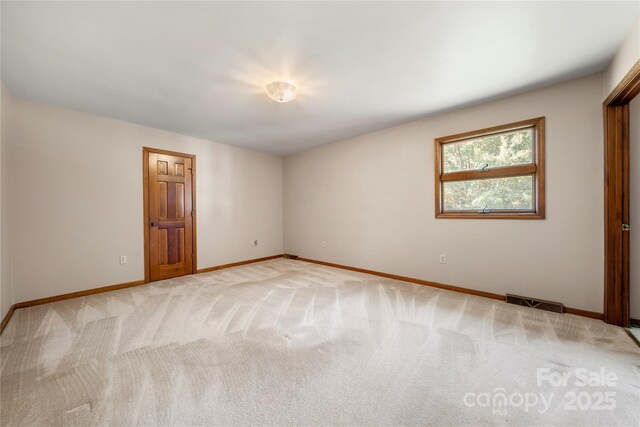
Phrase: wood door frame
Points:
(616, 198)
(145, 186)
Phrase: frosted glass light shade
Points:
(281, 91)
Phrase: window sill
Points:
(497, 215)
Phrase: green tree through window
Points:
(495, 172)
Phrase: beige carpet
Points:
(285, 342)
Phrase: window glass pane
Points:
(503, 149)
(513, 193)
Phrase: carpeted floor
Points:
(286, 342)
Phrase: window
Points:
(492, 173)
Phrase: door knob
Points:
(154, 224)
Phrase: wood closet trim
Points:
(616, 198)
(145, 198)
(627, 89)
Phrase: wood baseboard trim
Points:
(236, 264)
(584, 313)
(78, 294)
(5, 319)
(410, 279)
(31, 303)
(577, 311)
(63, 297)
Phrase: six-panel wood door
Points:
(170, 216)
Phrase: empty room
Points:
(320, 213)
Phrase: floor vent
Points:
(289, 256)
(556, 307)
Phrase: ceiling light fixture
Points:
(281, 91)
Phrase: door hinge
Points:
(626, 227)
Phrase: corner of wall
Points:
(625, 58)
(6, 282)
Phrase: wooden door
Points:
(170, 225)
(616, 190)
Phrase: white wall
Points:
(634, 207)
(371, 198)
(77, 200)
(626, 56)
(6, 290)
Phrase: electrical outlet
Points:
(123, 259)
(324, 244)
(443, 259)
(253, 243)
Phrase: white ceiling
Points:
(199, 68)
